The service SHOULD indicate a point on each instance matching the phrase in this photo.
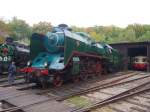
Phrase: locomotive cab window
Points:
(144, 59)
(76, 59)
(136, 60)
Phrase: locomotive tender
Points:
(66, 55)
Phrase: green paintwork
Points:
(53, 60)
(40, 54)
(5, 59)
(36, 45)
(53, 42)
(10, 54)
(100, 49)
(75, 45)
(67, 44)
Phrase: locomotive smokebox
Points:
(54, 42)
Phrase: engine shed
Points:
(130, 50)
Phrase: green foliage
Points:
(42, 27)
(112, 34)
(4, 30)
(1, 40)
(21, 31)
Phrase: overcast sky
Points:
(81, 13)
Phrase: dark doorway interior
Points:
(137, 51)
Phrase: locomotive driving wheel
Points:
(58, 81)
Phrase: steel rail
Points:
(25, 106)
(122, 74)
(6, 79)
(133, 91)
(101, 86)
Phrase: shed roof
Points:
(132, 43)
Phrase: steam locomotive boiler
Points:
(63, 55)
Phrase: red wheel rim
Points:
(58, 81)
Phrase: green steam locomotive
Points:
(12, 51)
(63, 55)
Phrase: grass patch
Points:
(79, 101)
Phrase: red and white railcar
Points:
(140, 63)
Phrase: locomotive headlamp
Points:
(45, 64)
(28, 63)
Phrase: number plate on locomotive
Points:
(5, 58)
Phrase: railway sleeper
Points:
(135, 90)
(7, 107)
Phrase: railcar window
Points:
(136, 60)
(144, 60)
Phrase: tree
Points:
(4, 27)
(42, 27)
(5, 31)
(21, 30)
(145, 37)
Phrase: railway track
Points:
(139, 86)
(13, 109)
(133, 91)
(83, 89)
(104, 84)
(70, 87)
(20, 93)
(5, 79)
(70, 90)
(19, 79)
